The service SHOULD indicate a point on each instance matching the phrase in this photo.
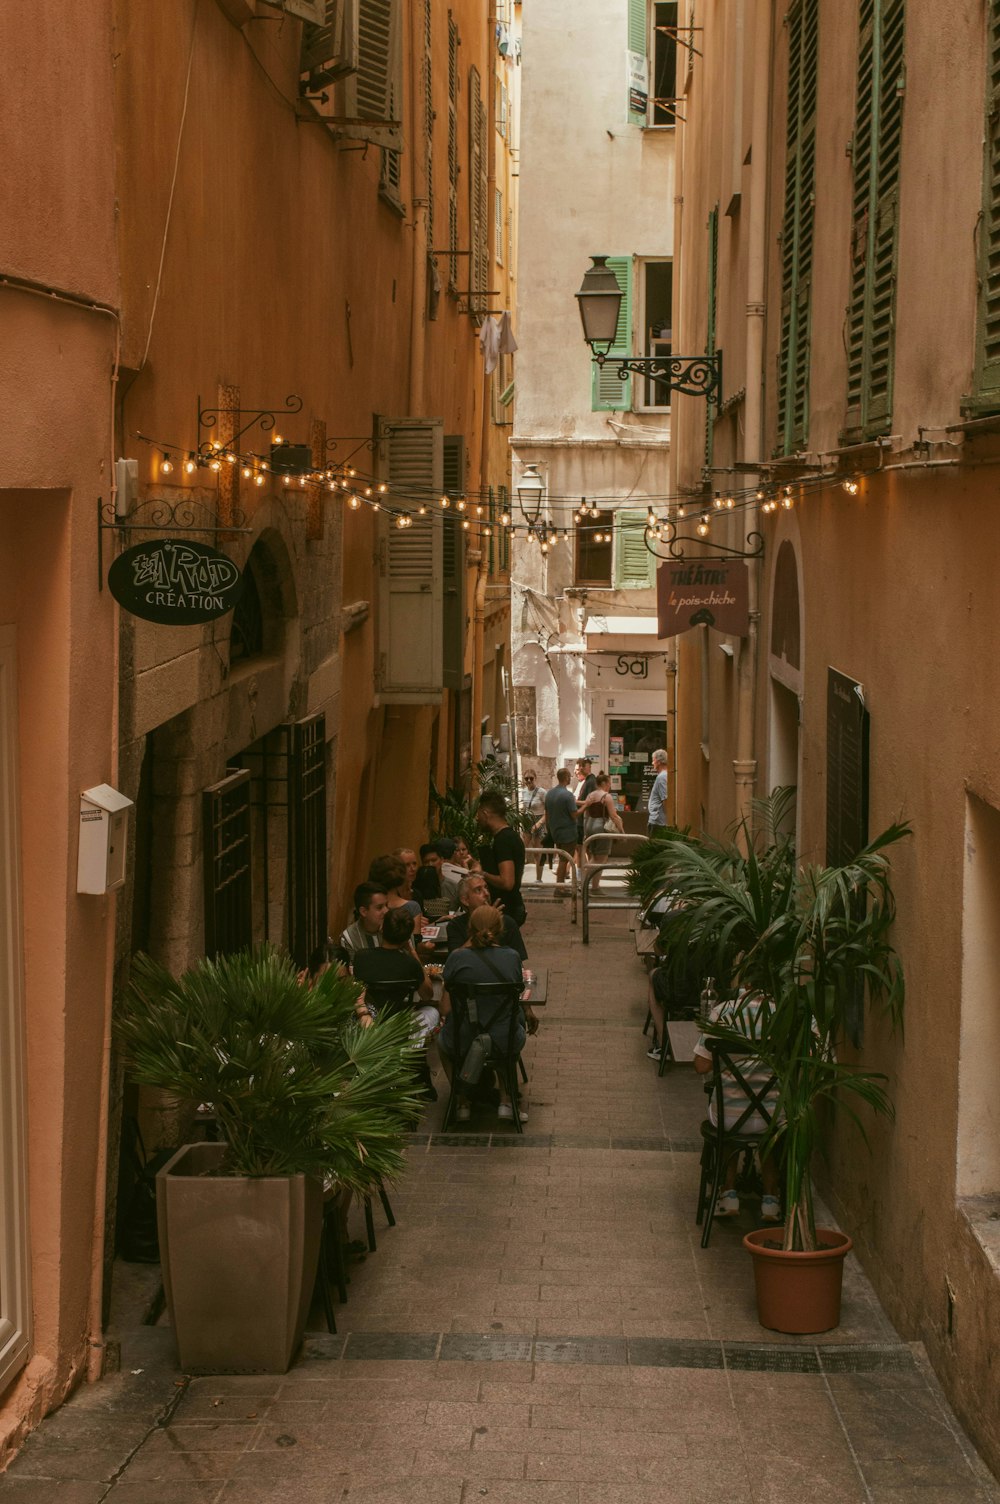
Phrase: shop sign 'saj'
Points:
(175, 583)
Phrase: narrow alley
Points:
(540, 1327)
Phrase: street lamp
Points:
(530, 493)
(600, 299)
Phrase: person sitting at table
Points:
(472, 894)
(427, 879)
(742, 1013)
(393, 962)
(390, 872)
(483, 959)
(408, 857)
(371, 904)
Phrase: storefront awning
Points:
(620, 626)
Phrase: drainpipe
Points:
(745, 761)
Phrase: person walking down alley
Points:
(532, 804)
(656, 814)
(560, 816)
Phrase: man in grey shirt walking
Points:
(656, 812)
(560, 816)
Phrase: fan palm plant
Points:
(808, 946)
(297, 1086)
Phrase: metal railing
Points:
(606, 856)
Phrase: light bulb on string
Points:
(545, 547)
(730, 503)
(258, 480)
(383, 488)
(682, 511)
(702, 528)
(717, 501)
(264, 465)
(354, 502)
(215, 464)
(445, 502)
(277, 439)
(231, 458)
(166, 464)
(479, 511)
(190, 464)
(460, 504)
(466, 524)
(302, 480)
(851, 487)
(488, 531)
(505, 519)
(247, 472)
(421, 510)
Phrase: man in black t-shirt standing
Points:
(502, 855)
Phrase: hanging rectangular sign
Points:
(692, 592)
(637, 69)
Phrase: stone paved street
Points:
(541, 1327)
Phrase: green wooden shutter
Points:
(797, 228)
(638, 31)
(713, 287)
(986, 390)
(878, 130)
(608, 392)
(633, 561)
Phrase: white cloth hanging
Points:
(508, 344)
(496, 338)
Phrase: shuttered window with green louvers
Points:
(638, 31)
(986, 389)
(797, 227)
(878, 134)
(609, 393)
(633, 561)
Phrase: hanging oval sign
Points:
(174, 582)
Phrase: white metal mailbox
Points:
(100, 864)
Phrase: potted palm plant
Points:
(302, 1095)
(810, 946)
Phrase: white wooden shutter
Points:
(377, 85)
(410, 563)
(633, 561)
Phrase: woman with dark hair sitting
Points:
(483, 960)
(390, 873)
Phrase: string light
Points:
(166, 465)
(190, 465)
(717, 502)
(505, 519)
(445, 502)
(230, 458)
(302, 480)
(851, 487)
(277, 440)
(215, 464)
(730, 503)
(247, 472)
(702, 528)
(421, 510)
(383, 488)
(460, 505)
(258, 480)
(354, 502)
(466, 524)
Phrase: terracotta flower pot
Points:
(798, 1292)
(239, 1261)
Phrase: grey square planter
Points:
(239, 1261)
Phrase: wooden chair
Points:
(494, 1003)
(731, 1070)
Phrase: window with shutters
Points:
(654, 280)
(503, 552)
(374, 92)
(878, 130)
(453, 566)
(592, 564)
(652, 62)
(453, 41)
(797, 227)
(429, 117)
(608, 391)
(633, 561)
(410, 665)
(479, 269)
(986, 388)
(498, 224)
(710, 332)
(329, 46)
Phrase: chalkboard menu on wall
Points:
(846, 769)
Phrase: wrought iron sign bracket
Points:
(673, 542)
(694, 375)
(155, 515)
(242, 420)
